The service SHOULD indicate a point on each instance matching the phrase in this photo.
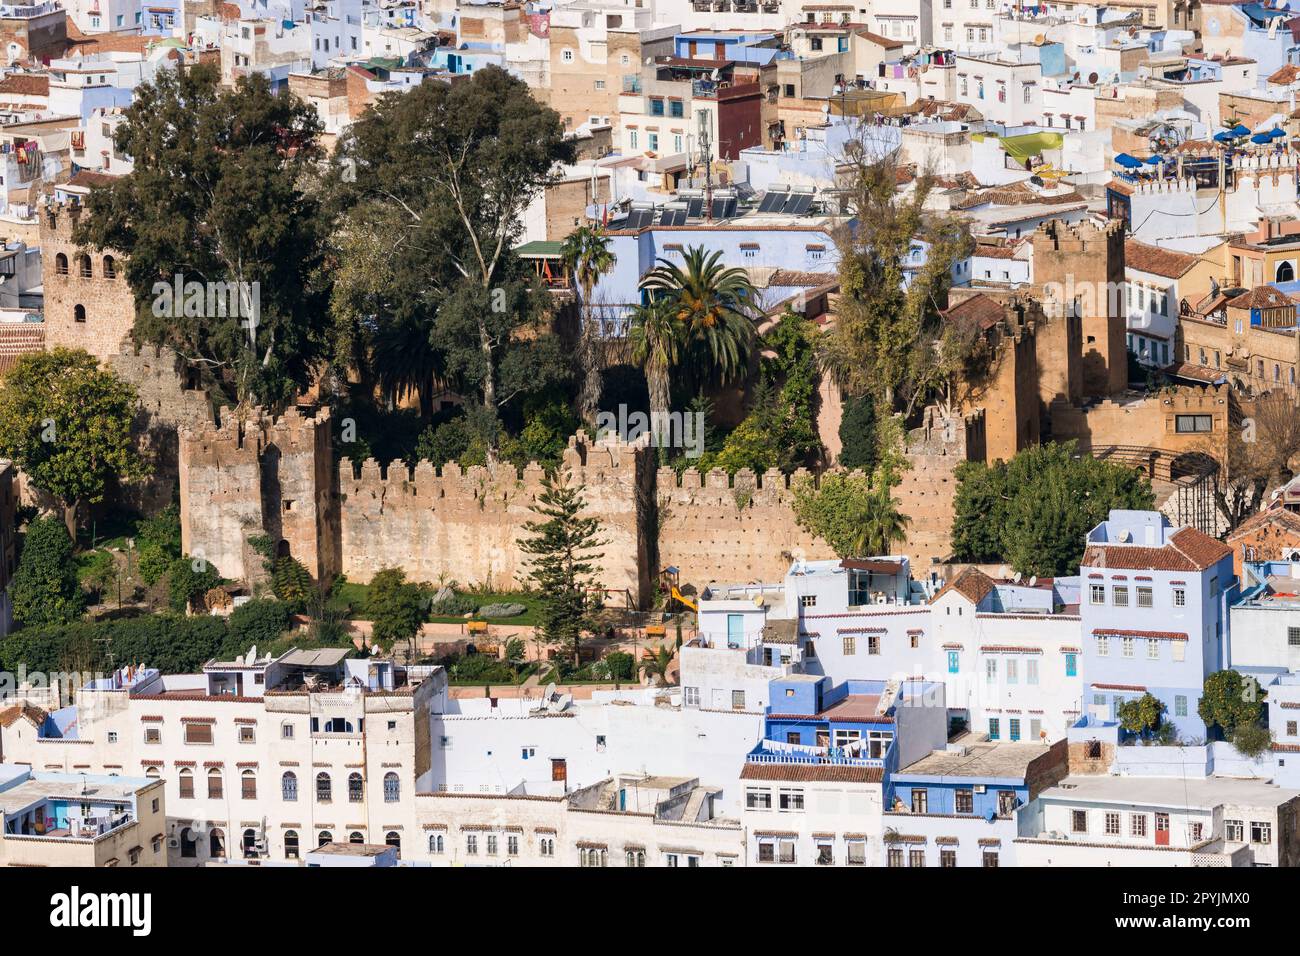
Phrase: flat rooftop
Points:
(21, 797)
(1175, 792)
(352, 849)
(980, 760)
(854, 707)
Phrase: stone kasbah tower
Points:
(1087, 262)
(88, 303)
(261, 475)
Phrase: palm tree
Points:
(658, 666)
(656, 338)
(886, 525)
(587, 256)
(713, 304)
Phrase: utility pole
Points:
(706, 158)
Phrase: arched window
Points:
(78, 313)
(324, 838)
(248, 785)
(338, 725)
(1285, 272)
(110, 267)
(289, 786)
(392, 788)
(323, 789)
(187, 783)
(356, 788)
(250, 844)
(189, 845)
(436, 843)
(152, 773)
(356, 837)
(636, 857)
(215, 789)
(291, 844)
(217, 844)
(61, 264)
(393, 838)
(83, 266)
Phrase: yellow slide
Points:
(679, 596)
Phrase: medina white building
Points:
(263, 758)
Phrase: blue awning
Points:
(1276, 132)
(1223, 137)
(1262, 138)
(1152, 160)
(1127, 161)
(1240, 130)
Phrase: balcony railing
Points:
(828, 760)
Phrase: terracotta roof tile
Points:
(1187, 550)
(972, 584)
(833, 773)
(1157, 261)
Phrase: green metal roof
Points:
(539, 250)
(1030, 144)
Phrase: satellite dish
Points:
(1016, 577)
(759, 601)
(550, 691)
(1033, 581)
(251, 657)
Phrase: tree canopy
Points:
(1035, 510)
(218, 194)
(853, 513)
(66, 422)
(438, 180)
(44, 589)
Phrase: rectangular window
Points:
(991, 671)
(471, 844)
(675, 108)
(857, 853)
(1098, 592)
(1079, 821)
(1031, 671)
(1137, 824)
(1153, 649)
(1261, 832)
(920, 801)
(1144, 596)
(735, 630)
(1013, 725)
(767, 852)
(198, 733)
(894, 857)
(990, 859)
(1103, 646)
(873, 644)
(787, 851)
(1071, 665)
(247, 734)
(1234, 831)
(964, 800)
(850, 646)
(1293, 636)
(791, 801)
(1013, 668)
(737, 700)
(153, 735)
(916, 858)
(1193, 423)
(994, 730)
(1178, 650)
(1112, 824)
(757, 799)
(1126, 646)
(691, 696)
(952, 662)
(1119, 595)
(1180, 705)
(948, 858)
(808, 600)
(1180, 597)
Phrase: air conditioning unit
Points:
(173, 843)
(979, 788)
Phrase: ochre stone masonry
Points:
(88, 303)
(465, 524)
(278, 477)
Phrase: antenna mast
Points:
(706, 158)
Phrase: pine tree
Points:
(44, 589)
(564, 563)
